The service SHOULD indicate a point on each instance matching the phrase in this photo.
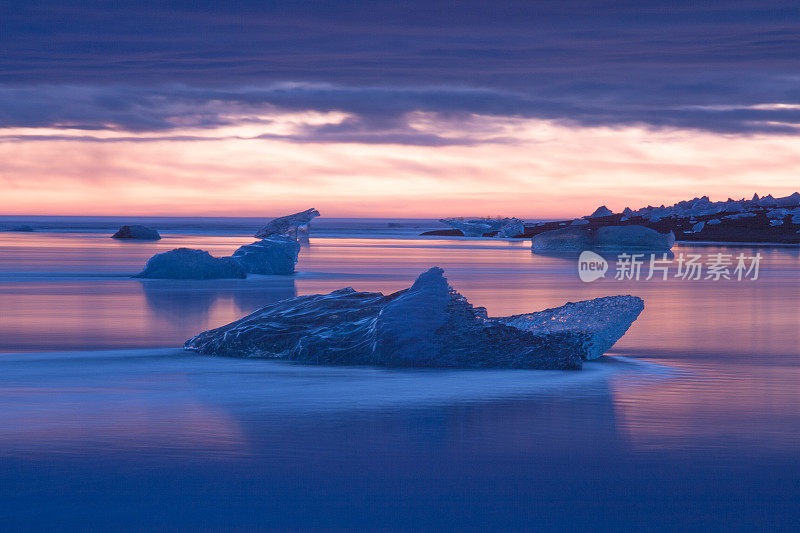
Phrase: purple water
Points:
(692, 422)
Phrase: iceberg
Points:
(601, 211)
(427, 325)
(563, 239)
(607, 238)
(603, 320)
(632, 237)
(295, 226)
(777, 213)
(188, 263)
(478, 227)
(275, 255)
(137, 232)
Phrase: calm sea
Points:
(691, 423)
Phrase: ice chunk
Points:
(601, 211)
(275, 255)
(563, 239)
(697, 228)
(478, 227)
(740, 215)
(603, 321)
(579, 222)
(777, 213)
(788, 201)
(187, 263)
(609, 238)
(776, 222)
(137, 232)
(295, 226)
(427, 325)
(632, 237)
(714, 222)
(767, 201)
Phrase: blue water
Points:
(691, 423)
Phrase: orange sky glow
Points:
(527, 168)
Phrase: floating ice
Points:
(698, 207)
(609, 238)
(777, 213)
(275, 255)
(427, 325)
(603, 320)
(601, 211)
(295, 226)
(697, 228)
(579, 222)
(188, 263)
(563, 239)
(478, 227)
(632, 237)
(137, 232)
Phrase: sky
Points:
(428, 108)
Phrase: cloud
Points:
(155, 67)
(369, 114)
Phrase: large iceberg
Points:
(607, 238)
(478, 227)
(427, 325)
(295, 226)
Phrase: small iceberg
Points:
(479, 227)
(427, 325)
(188, 263)
(607, 238)
(136, 232)
(295, 226)
(601, 211)
(275, 255)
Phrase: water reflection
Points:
(189, 302)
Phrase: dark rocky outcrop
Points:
(136, 232)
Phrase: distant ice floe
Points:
(698, 207)
(478, 227)
(608, 238)
(276, 254)
(427, 325)
(601, 211)
(137, 232)
(296, 225)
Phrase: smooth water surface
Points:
(692, 422)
